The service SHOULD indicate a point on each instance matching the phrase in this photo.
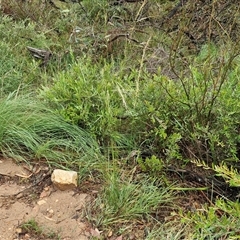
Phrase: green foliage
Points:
(20, 71)
(10, 73)
(31, 131)
(99, 80)
(123, 201)
(105, 103)
(31, 226)
(38, 11)
(230, 174)
(186, 118)
(95, 10)
(172, 230)
(91, 98)
(153, 165)
(218, 222)
(195, 108)
(190, 111)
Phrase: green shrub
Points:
(91, 96)
(194, 117)
(218, 222)
(152, 165)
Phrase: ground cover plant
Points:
(31, 131)
(131, 90)
(31, 226)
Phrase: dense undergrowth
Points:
(129, 91)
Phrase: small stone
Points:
(41, 202)
(50, 210)
(19, 230)
(110, 233)
(64, 180)
(27, 236)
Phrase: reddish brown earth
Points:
(26, 193)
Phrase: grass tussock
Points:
(123, 201)
(30, 131)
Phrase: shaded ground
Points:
(27, 194)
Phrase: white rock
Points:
(64, 180)
(41, 202)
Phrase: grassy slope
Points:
(143, 123)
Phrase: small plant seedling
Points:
(32, 227)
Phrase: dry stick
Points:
(120, 2)
(123, 99)
(123, 35)
(141, 65)
(172, 60)
(140, 9)
(118, 36)
(29, 187)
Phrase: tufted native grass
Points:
(124, 201)
(30, 131)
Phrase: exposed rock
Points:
(64, 180)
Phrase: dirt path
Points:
(27, 194)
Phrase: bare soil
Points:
(26, 193)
